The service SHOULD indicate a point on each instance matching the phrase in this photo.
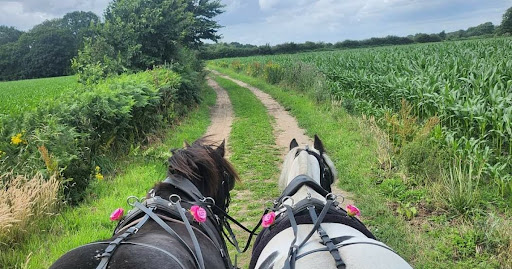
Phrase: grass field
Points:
(22, 95)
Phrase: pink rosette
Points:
(198, 213)
(352, 211)
(117, 214)
(268, 219)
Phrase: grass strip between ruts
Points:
(76, 226)
(256, 157)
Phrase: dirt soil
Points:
(221, 116)
(286, 128)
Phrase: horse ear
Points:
(293, 144)
(319, 145)
(221, 149)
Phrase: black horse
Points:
(159, 232)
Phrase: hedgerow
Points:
(70, 135)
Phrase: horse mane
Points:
(206, 167)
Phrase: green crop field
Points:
(22, 95)
(466, 86)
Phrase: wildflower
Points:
(117, 214)
(99, 176)
(268, 219)
(16, 139)
(198, 213)
(352, 211)
(1, 153)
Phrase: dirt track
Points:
(285, 128)
(221, 116)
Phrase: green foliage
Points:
(407, 211)
(461, 187)
(506, 23)
(9, 34)
(45, 50)
(148, 33)
(273, 73)
(95, 120)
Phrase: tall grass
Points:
(24, 203)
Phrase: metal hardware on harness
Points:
(176, 199)
(331, 196)
(206, 199)
(288, 198)
(131, 200)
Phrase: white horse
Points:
(297, 239)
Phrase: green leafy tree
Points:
(9, 34)
(148, 33)
(506, 23)
(48, 49)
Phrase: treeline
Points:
(235, 49)
(47, 49)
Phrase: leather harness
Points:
(312, 211)
(212, 228)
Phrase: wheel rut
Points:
(221, 116)
(286, 128)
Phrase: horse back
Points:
(151, 247)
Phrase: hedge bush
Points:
(68, 135)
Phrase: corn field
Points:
(467, 84)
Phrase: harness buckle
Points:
(206, 199)
(132, 200)
(288, 198)
(331, 196)
(174, 199)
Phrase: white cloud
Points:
(267, 4)
(24, 14)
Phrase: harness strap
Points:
(290, 261)
(112, 246)
(192, 235)
(340, 245)
(168, 229)
(185, 186)
(157, 248)
(327, 241)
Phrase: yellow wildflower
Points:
(99, 176)
(98, 169)
(1, 153)
(16, 139)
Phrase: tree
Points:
(442, 35)
(9, 34)
(81, 24)
(506, 23)
(148, 33)
(49, 49)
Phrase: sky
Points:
(277, 21)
